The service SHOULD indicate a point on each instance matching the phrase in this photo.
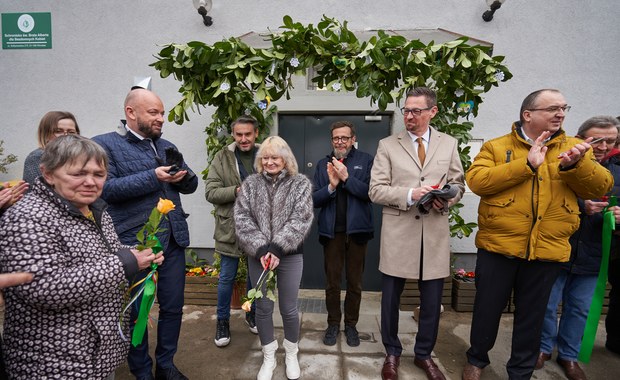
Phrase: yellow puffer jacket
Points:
(530, 214)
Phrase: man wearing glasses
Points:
(575, 284)
(345, 226)
(528, 182)
(414, 245)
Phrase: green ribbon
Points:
(148, 298)
(594, 315)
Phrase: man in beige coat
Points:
(414, 245)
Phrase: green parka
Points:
(531, 214)
(221, 190)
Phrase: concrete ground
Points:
(199, 358)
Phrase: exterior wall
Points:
(98, 47)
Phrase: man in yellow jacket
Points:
(528, 182)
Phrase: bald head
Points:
(144, 111)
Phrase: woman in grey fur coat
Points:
(273, 215)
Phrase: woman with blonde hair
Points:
(273, 215)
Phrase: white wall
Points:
(98, 47)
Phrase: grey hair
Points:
(244, 120)
(70, 149)
(275, 145)
(598, 122)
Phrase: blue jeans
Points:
(575, 291)
(228, 272)
(225, 284)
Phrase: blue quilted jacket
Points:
(132, 188)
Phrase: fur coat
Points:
(273, 215)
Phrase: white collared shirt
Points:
(425, 139)
(141, 138)
(414, 139)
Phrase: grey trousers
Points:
(289, 273)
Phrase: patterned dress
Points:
(65, 323)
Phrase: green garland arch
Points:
(238, 79)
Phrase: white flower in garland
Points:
(294, 62)
(499, 75)
(224, 87)
(336, 86)
(459, 92)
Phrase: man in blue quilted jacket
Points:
(144, 168)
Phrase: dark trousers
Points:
(612, 321)
(339, 252)
(531, 282)
(170, 288)
(430, 308)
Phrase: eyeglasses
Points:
(64, 132)
(413, 111)
(609, 142)
(344, 139)
(553, 109)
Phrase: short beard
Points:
(147, 131)
(339, 155)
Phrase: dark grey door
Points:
(309, 138)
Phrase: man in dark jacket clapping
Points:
(345, 225)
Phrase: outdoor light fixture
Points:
(493, 6)
(203, 7)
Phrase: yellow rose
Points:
(247, 306)
(165, 206)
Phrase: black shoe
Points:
(222, 333)
(148, 377)
(353, 337)
(331, 334)
(171, 373)
(251, 322)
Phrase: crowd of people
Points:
(68, 238)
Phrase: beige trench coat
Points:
(397, 169)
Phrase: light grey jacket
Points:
(273, 215)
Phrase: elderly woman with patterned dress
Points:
(65, 323)
(273, 214)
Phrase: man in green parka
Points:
(229, 168)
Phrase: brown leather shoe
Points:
(428, 365)
(471, 372)
(572, 369)
(390, 367)
(542, 358)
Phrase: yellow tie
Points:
(421, 151)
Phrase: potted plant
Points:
(200, 280)
(463, 290)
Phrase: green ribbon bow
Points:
(589, 334)
(148, 297)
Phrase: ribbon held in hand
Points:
(148, 291)
(589, 333)
(147, 287)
